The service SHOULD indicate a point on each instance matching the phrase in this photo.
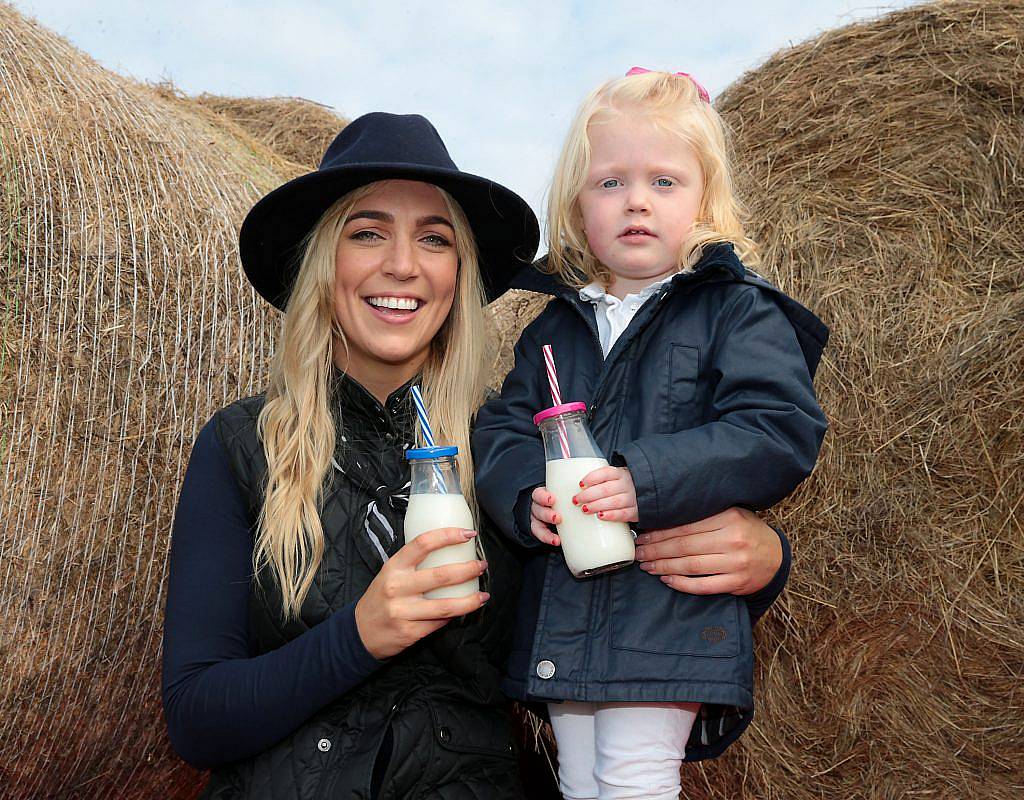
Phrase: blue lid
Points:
(416, 453)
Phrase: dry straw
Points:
(296, 129)
(882, 167)
(126, 321)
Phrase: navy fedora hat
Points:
(376, 147)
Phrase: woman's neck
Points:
(378, 378)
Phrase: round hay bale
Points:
(294, 128)
(883, 167)
(126, 321)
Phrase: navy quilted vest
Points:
(432, 722)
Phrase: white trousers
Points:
(610, 751)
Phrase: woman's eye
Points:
(436, 240)
(611, 183)
(366, 236)
(664, 182)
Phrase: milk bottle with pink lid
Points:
(591, 545)
(436, 501)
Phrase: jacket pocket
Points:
(649, 617)
(684, 367)
(483, 730)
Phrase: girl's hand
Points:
(734, 552)
(393, 613)
(608, 492)
(542, 515)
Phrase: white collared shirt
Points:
(613, 314)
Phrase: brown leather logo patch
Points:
(713, 635)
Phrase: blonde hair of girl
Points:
(297, 424)
(673, 103)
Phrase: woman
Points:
(300, 657)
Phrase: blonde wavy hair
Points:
(297, 422)
(672, 103)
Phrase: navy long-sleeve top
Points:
(221, 702)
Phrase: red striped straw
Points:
(549, 363)
(556, 396)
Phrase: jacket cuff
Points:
(521, 518)
(635, 460)
(760, 601)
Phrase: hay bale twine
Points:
(126, 321)
(883, 166)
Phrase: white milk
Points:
(429, 511)
(587, 542)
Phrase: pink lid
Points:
(554, 411)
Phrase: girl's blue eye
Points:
(366, 236)
(611, 183)
(664, 182)
(437, 240)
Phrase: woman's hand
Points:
(735, 552)
(393, 614)
(542, 515)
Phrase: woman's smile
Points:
(395, 309)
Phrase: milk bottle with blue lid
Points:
(591, 545)
(436, 501)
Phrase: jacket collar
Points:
(370, 438)
(717, 256)
(363, 412)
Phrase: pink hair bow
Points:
(700, 89)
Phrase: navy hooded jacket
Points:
(707, 398)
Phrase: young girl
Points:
(697, 376)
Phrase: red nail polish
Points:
(584, 509)
(600, 515)
(581, 485)
(575, 502)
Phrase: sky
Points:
(499, 80)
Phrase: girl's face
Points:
(395, 272)
(639, 201)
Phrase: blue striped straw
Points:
(421, 412)
(428, 434)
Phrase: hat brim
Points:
(271, 236)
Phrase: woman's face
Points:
(395, 271)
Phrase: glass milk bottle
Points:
(590, 545)
(436, 501)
